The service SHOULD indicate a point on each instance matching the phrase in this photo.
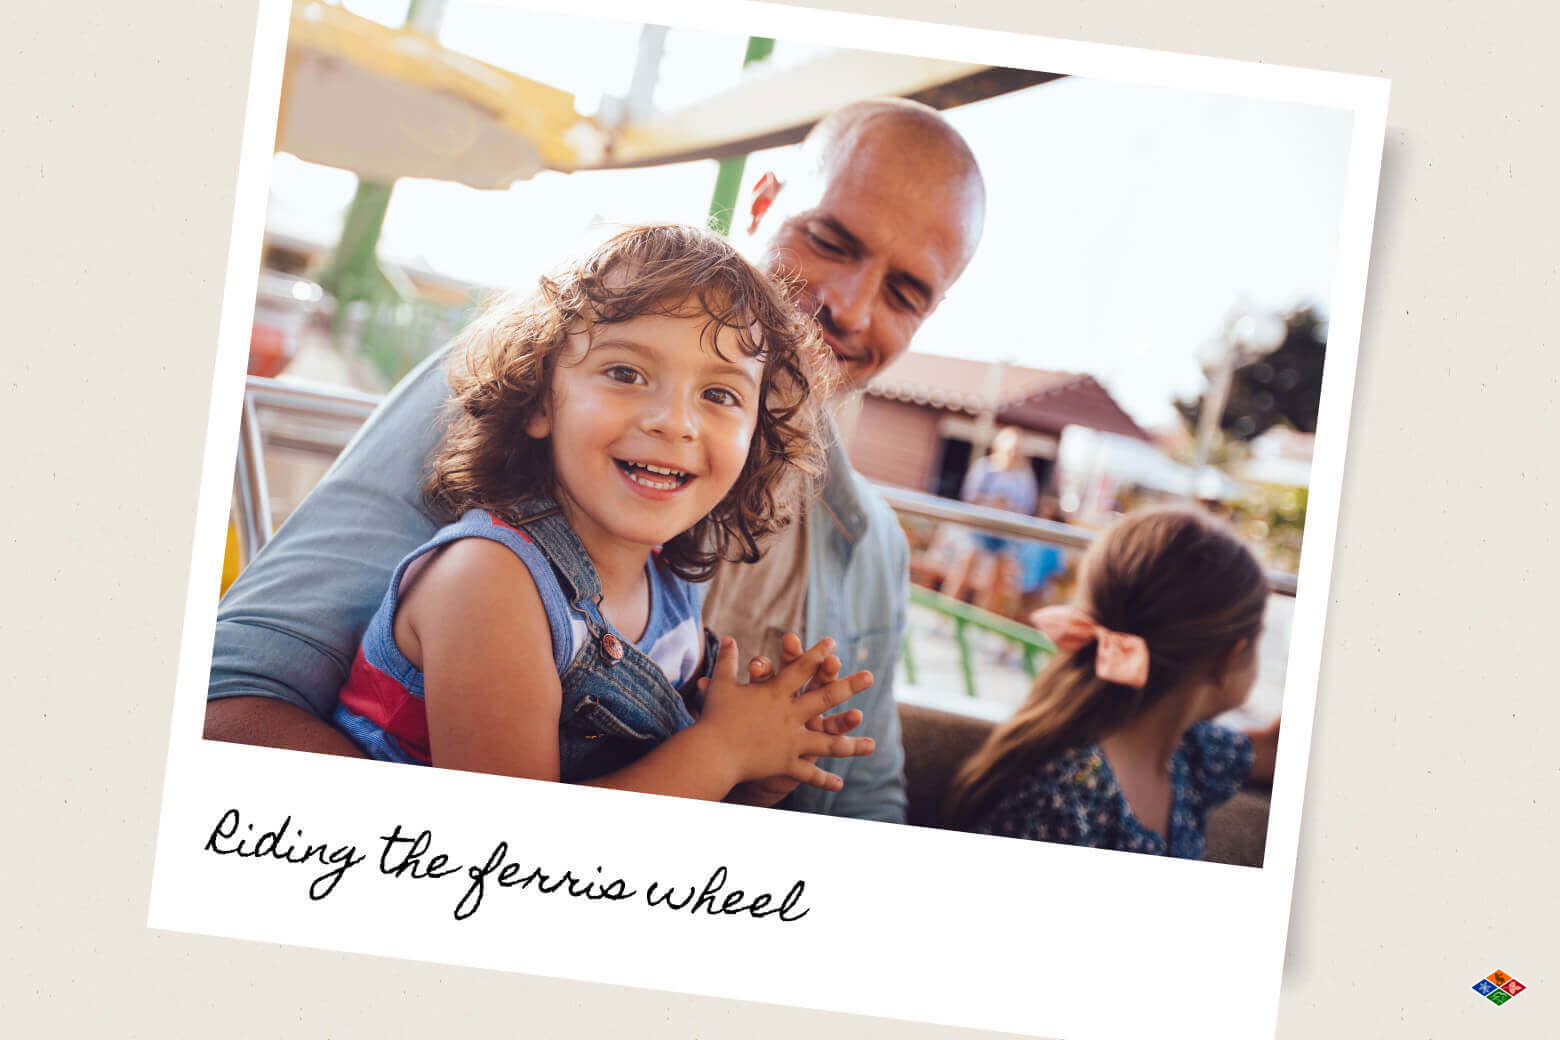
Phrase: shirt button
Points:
(612, 646)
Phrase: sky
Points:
(1125, 224)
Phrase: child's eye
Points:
(623, 374)
(720, 395)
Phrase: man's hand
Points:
(268, 722)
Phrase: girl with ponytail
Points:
(1112, 748)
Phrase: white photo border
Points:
(902, 922)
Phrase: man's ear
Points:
(764, 193)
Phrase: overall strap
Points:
(542, 519)
(609, 672)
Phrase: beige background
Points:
(1428, 847)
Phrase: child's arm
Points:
(476, 621)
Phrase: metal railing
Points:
(1032, 644)
(311, 419)
(999, 521)
(251, 500)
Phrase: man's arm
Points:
(274, 723)
(289, 627)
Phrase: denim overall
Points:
(617, 704)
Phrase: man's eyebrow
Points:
(841, 231)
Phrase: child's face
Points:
(650, 427)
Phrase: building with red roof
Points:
(925, 417)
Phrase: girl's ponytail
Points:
(1175, 577)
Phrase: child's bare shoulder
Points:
(472, 568)
(469, 587)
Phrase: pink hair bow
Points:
(1121, 657)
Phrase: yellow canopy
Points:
(387, 103)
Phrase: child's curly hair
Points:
(501, 373)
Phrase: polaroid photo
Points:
(784, 505)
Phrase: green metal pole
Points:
(966, 661)
(353, 271)
(728, 179)
(1035, 646)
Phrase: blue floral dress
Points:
(1074, 798)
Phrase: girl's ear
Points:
(1230, 660)
(538, 425)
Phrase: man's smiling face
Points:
(874, 238)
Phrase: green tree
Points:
(1284, 385)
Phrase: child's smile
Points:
(655, 479)
(650, 427)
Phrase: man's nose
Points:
(845, 300)
(671, 414)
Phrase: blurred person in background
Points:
(989, 565)
(1043, 567)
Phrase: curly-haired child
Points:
(613, 435)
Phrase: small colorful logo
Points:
(1498, 987)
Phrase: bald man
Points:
(879, 216)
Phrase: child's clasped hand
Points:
(765, 730)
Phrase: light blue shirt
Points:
(858, 592)
(1016, 487)
(291, 623)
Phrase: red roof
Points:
(1034, 398)
(1081, 402)
(957, 384)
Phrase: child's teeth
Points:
(638, 475)
(661, 478)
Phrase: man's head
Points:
(880, 218)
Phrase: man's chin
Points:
(845, 374)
